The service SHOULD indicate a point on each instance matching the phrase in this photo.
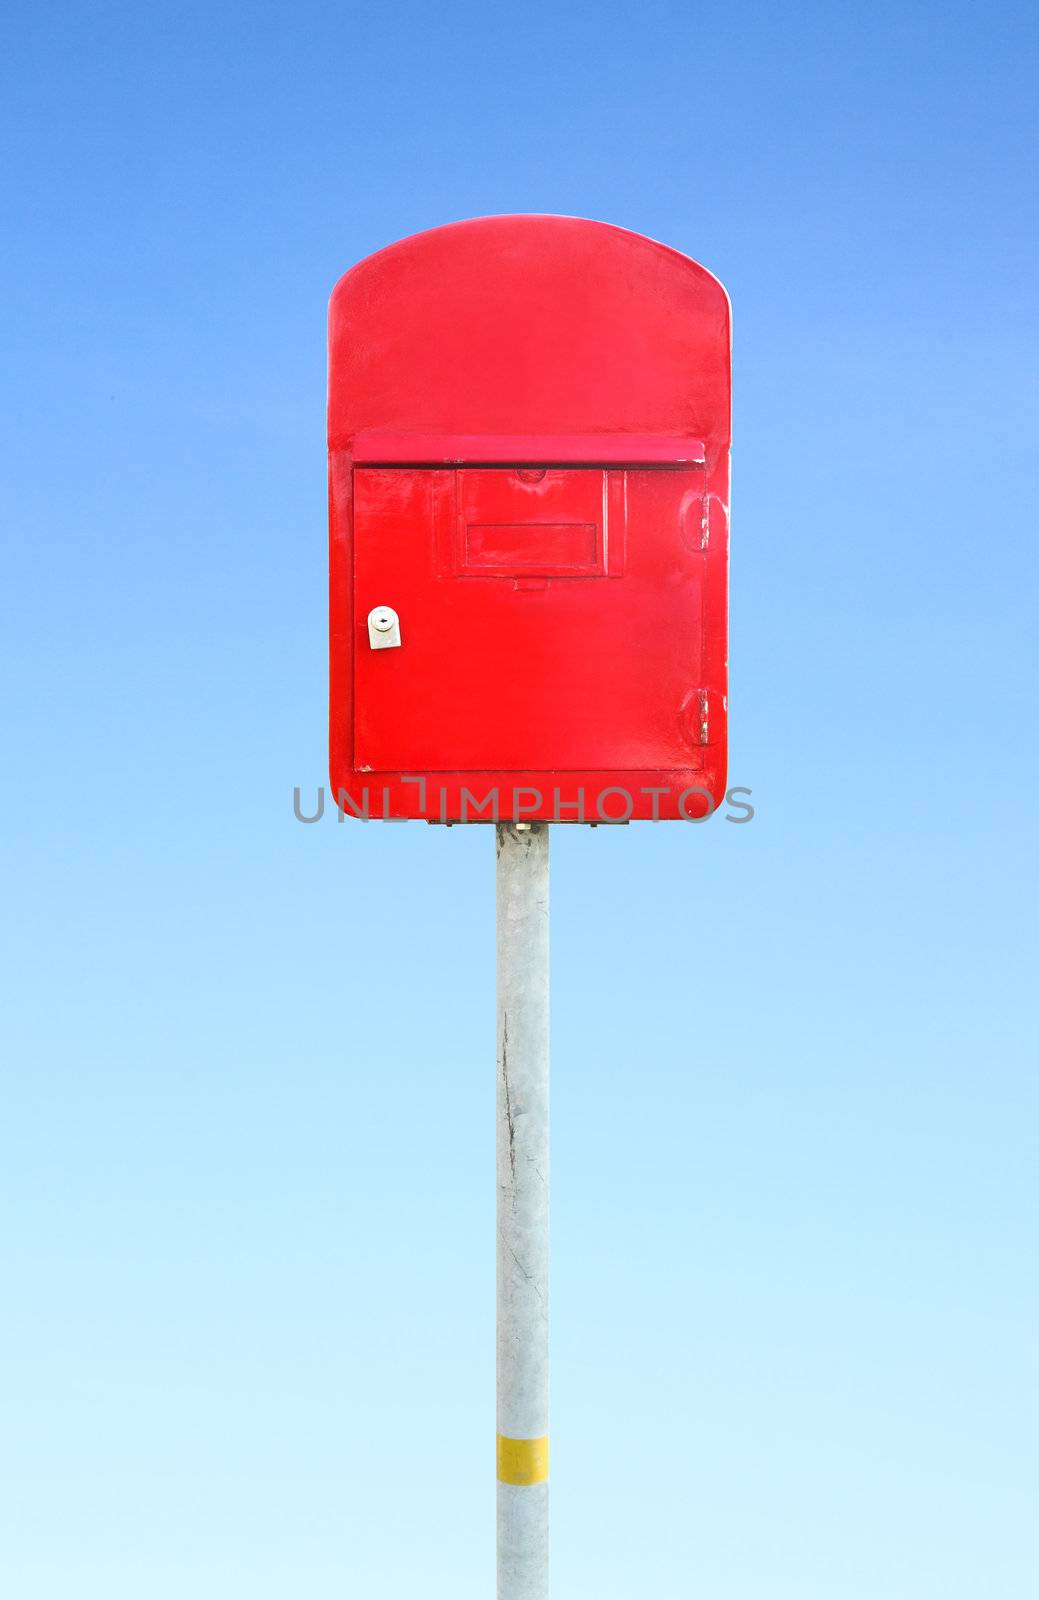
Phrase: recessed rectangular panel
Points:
(532, 548)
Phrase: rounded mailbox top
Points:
(529, 325)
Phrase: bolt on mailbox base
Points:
(522, 1211)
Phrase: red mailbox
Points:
(528, 425)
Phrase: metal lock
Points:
(383, 628)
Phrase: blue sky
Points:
(247, 1160)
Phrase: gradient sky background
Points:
(247, 1148)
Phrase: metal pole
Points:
(522, 901)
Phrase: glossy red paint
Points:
(529, 462)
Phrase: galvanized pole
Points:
(522, 901)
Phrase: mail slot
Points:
(547, 522)
(534, 521)
(528, 426)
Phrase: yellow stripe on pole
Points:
(522, 1461)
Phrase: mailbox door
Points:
(551, 618)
